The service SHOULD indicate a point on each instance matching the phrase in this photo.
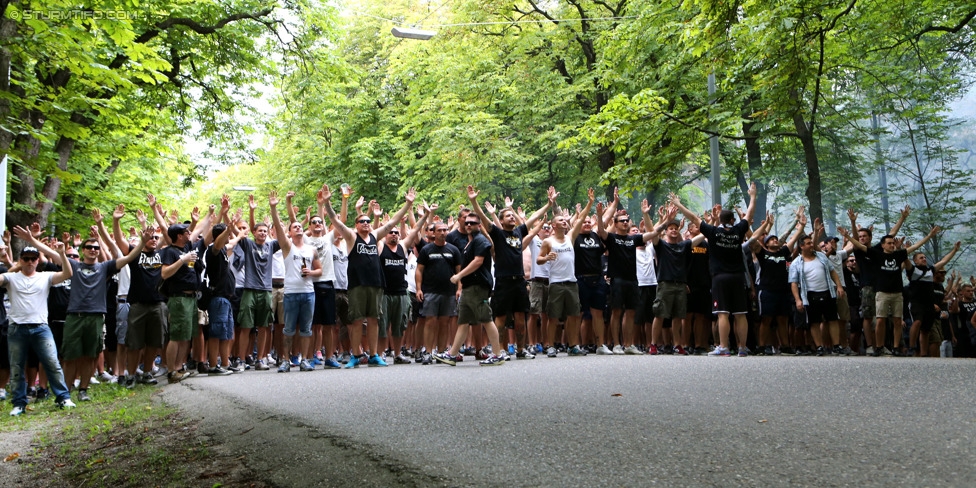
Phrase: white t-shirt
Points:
(538, 270)
(28, 296)
(294, 281)
(323, 248)
(646, 272)
(340, 265)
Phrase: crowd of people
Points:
(222, 293)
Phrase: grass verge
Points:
(121, 438)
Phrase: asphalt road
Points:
(602, 420)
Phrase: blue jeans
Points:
(19, 339)
(298, 313)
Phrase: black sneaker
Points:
(147, 379)
(218, 371)
(41, 393)
(83, 396)
(837, 350)
(821, 351)
(130, 381)
(203, 367)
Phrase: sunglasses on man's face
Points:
(29, 259)
(623, 221)
(316, 221)
(73, 256)
(362, 221)
(92, 248)
(470, 224)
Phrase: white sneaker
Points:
(77, 383)
(633, 350)
(105, 377)
(3, 394)
(604, 350)
(67, 403)
(869, 351)
(17, 411)
(618, 349)
(94, 381)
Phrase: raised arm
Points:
(66, 271)
(948, 257)
(283, 240)
(902, 217)
(551, 195)
(473, 198)
(134, 252)
(28, 237)
(854, 242)
(337, 223)
(691, 216)
(601, 226)
(414, 235)
(397, 217)
(918, 245)
(581, 216)
(751, 210)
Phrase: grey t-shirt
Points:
(257, 263)
(89, 283)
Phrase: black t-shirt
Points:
(185, 278)
(394, 270)
(725, 244)
(219, 273)
(853, 287)
(699, 277)
(589, 249)
(440, 263)
(479, 246)
(867, 265)
(145, 273)
(622, 264)
(57, 299)
(672, 260)
(456, 238)
(508, 250)
(888, 278)
(774, 270)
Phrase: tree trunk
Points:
(754, 159)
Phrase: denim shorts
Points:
(298, 313)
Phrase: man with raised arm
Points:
(622, 270)
(674, 257)
(365, 275)
(888, 262)
(511, 295)
(28, 330)
(727, 268)
(86, 309)
(815, 287)
(557, 250)
(256, 309)
(473, 309)
(181, 284)
(301, 267)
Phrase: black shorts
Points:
(924, 313)
(645, 308)
(592, 293)
(510, 296)
(415, 308)
(324, 308)
(4, 354)
(235, 304)
(821, 308)
(57, 330)
(624, 294)
(729, 291)
(700, 301)
(774, 303)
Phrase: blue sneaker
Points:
(315, 362)
(376, 360)
(294, 361)
(285, 367)
(353, 362)
(720, 351)
(511, 348)
(331, 364)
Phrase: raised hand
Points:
(97, 215)
(489, 207)
(251, 203)
(472, 193)
(273, 199)
(411, 195)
